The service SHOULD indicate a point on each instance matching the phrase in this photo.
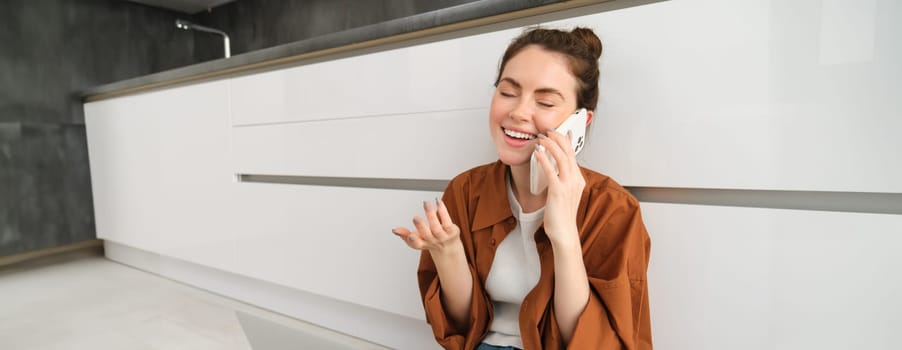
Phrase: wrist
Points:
(450, 251)
(565, 241)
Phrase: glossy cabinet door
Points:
(160, 172)
(783, 95)
(331, 241)
(436, 145)
(750, 278)
(123, 138)
(434, 77)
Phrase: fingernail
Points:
(427, 206)
(410, 238)
(550, 131)
(543, 137)
(540, 148)
(569, 134)
(438, 203)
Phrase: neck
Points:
(520, 185)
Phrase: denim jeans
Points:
(484, 346)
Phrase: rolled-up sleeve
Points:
(446, 334)
(444, 329)
(617, 314)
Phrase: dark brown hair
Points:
(582, 48)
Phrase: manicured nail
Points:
(569, 134)
(540, 148)
(396, 233)
(410, 238)
(427, 206)
(438, 203)
(543, 137)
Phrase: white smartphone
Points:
(575, 124)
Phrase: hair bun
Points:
(588, 37)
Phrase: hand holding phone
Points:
(575, 124)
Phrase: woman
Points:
(503, 268)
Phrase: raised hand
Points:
(437, 233)
(564, 188)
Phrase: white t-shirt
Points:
(515, 271)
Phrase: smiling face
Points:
(536, 92)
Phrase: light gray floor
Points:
(95, 303)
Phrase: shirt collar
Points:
(493, 205)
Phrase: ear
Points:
(589, 114)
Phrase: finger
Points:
(410, 238)
(445, 217)
(423, 229)
(561, 158)
(566, 147)
(401, 232)
(545, 165)
(563, 140)
(435, 226)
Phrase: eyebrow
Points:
(540, 90)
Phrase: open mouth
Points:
(518, 135)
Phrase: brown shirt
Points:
(615, 250)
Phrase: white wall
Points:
(758, 95)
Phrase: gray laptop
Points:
(264, 334)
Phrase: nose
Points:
(522, 111)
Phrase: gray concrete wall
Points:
(258, 24)
(50, 50)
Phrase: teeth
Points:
(519, 135)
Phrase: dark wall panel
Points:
(54, 48)
(51, 50)
(46, 192)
